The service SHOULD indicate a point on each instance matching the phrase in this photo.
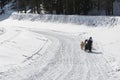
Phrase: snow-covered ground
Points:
(47, 47)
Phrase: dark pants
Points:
(88, 47)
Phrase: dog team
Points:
(87, 44)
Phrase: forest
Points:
(66, 7)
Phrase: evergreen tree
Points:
(67, 7)
(59, 7)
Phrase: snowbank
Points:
(74, 19)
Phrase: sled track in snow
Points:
(67, 63)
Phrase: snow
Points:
(46, 47)
(17, 44)
(73, 19)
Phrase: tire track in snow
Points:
(61, 67)
(98, 67)
(67, 63)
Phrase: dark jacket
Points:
(89, 44)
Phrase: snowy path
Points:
(63, 60)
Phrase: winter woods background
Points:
(4, 2)
(67, 7)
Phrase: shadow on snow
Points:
(94, 52)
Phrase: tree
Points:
(86, 6)
(67, 7)
(109, 7)
(59, 7)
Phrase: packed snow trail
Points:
(63, 60)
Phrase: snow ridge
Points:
(74, 19)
